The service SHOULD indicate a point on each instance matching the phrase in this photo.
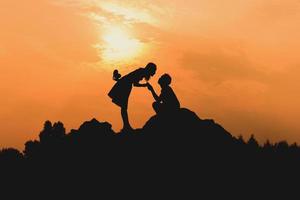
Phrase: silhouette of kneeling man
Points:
(167, 101)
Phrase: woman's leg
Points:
(126, 124)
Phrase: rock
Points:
(186, 125)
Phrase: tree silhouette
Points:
(10, 155)
(46, 133)
(252, 143)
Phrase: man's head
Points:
(165, 80)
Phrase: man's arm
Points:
(155, 96)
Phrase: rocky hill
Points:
(172, 151)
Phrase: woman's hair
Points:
(116, 75)
(150, 70)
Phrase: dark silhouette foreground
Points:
(175, 153)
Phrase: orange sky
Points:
(234, 61)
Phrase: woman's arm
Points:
(137, 84)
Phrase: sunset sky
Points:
(234, 61)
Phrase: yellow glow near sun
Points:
(119, 46)
(128, 12)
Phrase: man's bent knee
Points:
(156, 107)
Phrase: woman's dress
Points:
(121, 90)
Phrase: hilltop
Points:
(174, 149)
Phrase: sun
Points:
(119, 45)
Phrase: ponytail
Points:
(116, 75)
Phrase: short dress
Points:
(121, 90)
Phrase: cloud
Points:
(218, 66)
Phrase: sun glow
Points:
(119, 46)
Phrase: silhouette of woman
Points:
(121, 90)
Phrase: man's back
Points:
(169, 98)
